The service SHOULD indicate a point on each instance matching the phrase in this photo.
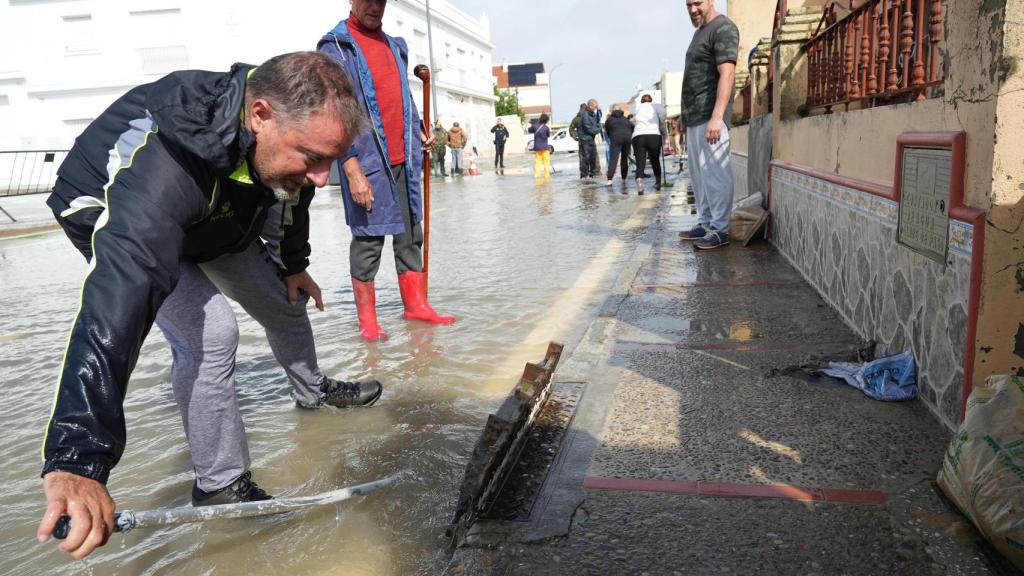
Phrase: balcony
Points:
(880, 52)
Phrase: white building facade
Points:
(62, 62)
(671, 85)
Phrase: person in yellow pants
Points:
(541, 149)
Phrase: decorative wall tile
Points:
(843, 241)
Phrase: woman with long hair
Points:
(541, 150)
(648, 131)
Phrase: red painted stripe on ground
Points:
(669, 486)
(734, 490)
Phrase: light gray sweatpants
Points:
(201, 328)
(457, 158)
(711, 176)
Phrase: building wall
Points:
(534, 96)
(94, 51)
(844, 239)
(738, 163)
(672, 93)
(534, 99)
(753, 18)
(738, 138)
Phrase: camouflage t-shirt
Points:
(717, 42)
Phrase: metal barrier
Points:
(29, 171)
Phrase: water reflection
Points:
(743, 331)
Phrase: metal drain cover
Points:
(519, 493)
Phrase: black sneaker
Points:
(241, 490)
(342, 394)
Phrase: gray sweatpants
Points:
(201, 328)
(711, 176)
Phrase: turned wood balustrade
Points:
(881, 52)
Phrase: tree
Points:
(508, 103)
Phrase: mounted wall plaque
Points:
(924, 183)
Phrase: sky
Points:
(602, 48)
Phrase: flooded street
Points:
(517, 263)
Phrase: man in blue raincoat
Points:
(381, 174)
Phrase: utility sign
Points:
(924, 201)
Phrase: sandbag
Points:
(983, 470)
(747, 217)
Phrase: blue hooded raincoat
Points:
(371, 147)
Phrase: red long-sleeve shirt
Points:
(386, 83)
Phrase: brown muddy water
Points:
(518, 263)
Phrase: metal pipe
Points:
(127, 520)
(423, 73)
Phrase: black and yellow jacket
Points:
(160, 177)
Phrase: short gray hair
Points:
(301, 84)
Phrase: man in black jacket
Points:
(500, 136)
(590, 127)
(167, 194)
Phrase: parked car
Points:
(559, 141)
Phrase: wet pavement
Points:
(690, 453)
(519, 263)
(684, 453)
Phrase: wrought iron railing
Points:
(29, 171)
(881, 52)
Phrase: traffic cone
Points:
(472, 166)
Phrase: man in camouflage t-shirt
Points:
(707, 89)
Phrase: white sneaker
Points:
(608, 183)
(640, 185)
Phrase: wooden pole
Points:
(423, 73)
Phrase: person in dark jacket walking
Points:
(620, 132)
(500, 136)
(166, 194)
(381, 176)
(574, 132)
(440, 149)
(589, 129)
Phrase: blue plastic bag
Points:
(889, 378)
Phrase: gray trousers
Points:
(457, 159)
(364, 251)
(711, 176)
(201, 328)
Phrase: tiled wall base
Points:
(843, 240)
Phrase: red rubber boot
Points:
(414, 295)
(366, 309)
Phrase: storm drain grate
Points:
(517, 497)
(501, 442)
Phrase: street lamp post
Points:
(430, 51)
(551, 99)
